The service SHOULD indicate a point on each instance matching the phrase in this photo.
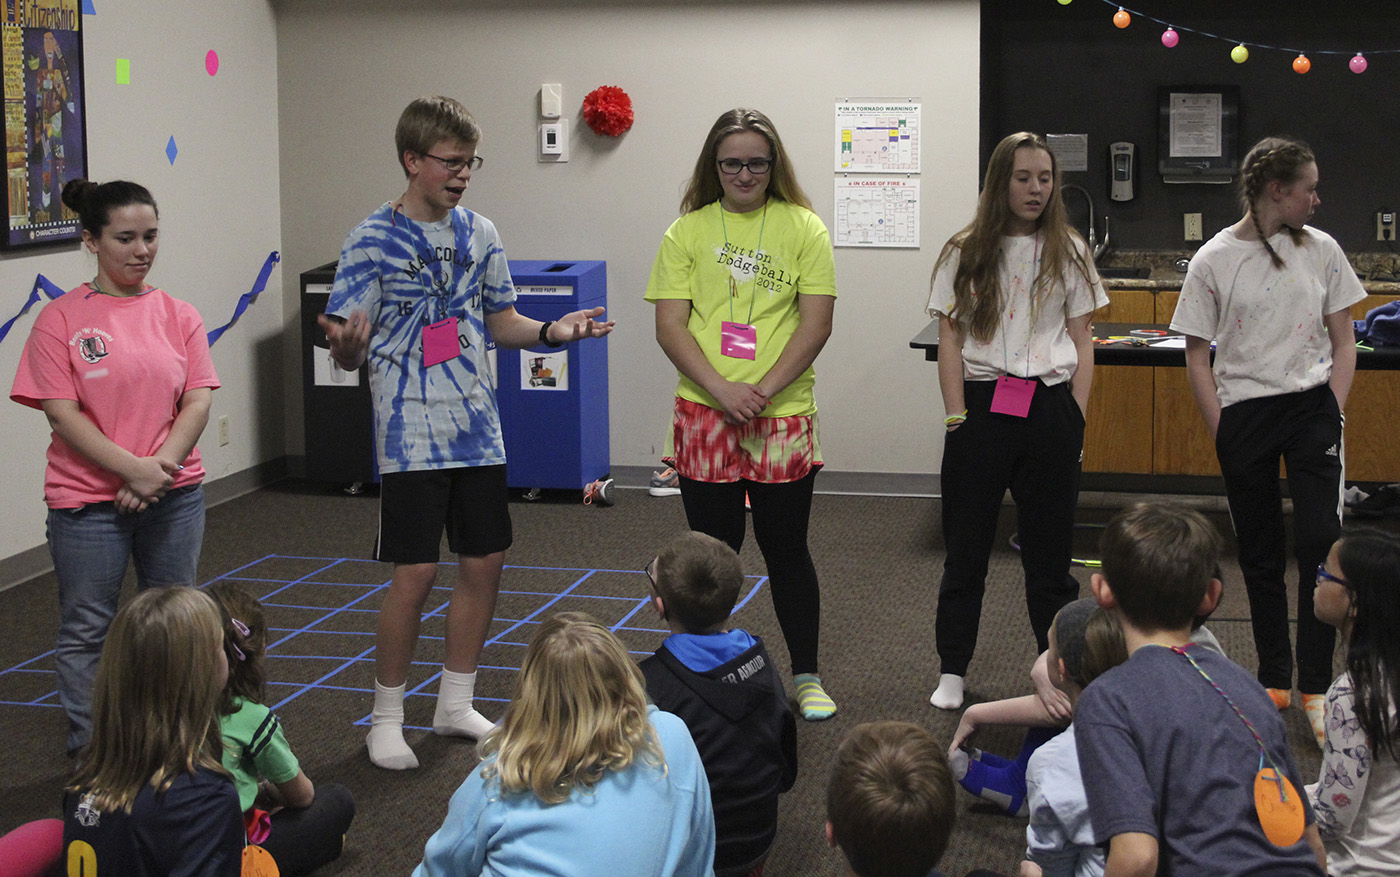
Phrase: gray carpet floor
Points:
(879, 559)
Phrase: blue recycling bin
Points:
(554, 402)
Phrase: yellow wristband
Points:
(955, 419)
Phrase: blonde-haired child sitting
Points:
(150, 796)
(580, 762)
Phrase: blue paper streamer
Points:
(249, 297)
(41, 284)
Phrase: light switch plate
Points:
(553, 142)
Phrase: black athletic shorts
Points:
(469, 502)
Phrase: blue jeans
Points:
(90, 548)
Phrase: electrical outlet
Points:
(1385, 225)
(1192, 226)
(223, 430)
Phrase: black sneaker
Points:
(1384, 503)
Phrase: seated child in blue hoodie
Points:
(721, 682)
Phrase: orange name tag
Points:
(258, 862)
(1279, 807)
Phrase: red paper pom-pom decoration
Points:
(608, 110)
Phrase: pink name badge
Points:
(738, 341)
(440, 342)
(1013, 396)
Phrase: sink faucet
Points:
(1096, 247)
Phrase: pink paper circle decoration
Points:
(211, 62)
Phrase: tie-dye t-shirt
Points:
(407, 275)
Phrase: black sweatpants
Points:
(303, 840)
(780, 513)
(1305, 429)
(1037, 457)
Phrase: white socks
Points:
(455, 716)
(949, 695)
(387, 748)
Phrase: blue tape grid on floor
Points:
(279, 596)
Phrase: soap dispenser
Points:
(1122, 163)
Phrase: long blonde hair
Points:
(579, 710)
(1272, 160)
(154, 704)
(704, 187)
(977, 292)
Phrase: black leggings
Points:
(1037, 458)
(780, 513)
(1305, 429)
(303, 840)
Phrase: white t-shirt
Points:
(1031, 340)
(1266, 322)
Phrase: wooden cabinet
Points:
(1118, 431)
(1145, 421)
(1372, 451)
(1183, 446)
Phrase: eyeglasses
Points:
(757, 166)
(1324, 576)
(455, 165)
(649, 569)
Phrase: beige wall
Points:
(218, 208)
(291, 144)
(347, 68)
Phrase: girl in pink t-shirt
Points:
(123, 373)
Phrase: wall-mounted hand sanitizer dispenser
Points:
(1122, 162)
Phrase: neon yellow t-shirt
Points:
(707, 248)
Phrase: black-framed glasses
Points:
(1324, 576)
(650, 570)
(757, 166)
(455, 165)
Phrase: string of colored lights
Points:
(1240, 53)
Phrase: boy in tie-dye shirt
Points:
(420, 283)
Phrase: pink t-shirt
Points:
(126, 362)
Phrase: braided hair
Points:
(1273, 159)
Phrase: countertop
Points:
(1162, 273)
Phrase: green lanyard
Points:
(733, 287)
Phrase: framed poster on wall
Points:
(1198, 133)
(45, 119)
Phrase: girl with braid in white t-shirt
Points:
(1273, 294)
(1013, 293)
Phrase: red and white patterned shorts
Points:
(770, 450)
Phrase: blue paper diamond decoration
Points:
(171, 150)
(88, 8)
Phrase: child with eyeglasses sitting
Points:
(1357, 794)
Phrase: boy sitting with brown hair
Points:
(1175, 744)
(890, 803)
(721, 682)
